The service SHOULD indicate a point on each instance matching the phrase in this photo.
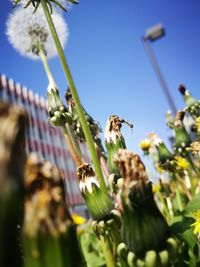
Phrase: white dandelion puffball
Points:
(27, 31)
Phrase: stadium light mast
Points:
(153, 34)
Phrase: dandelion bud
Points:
(58, 114)
(143, 226)
(93, 125)
(181, 137)
(189, 100)
(98, 202)
(164, 155)
(114, 139)
(192, 104)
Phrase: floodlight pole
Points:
(152, 58)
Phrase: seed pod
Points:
(98, 202)
(144, 227)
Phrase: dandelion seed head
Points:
(27, 32)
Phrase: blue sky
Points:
(110, 68)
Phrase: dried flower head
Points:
(28, 32)
(140, 213)
(113, 128)
(98, 202)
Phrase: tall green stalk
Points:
(72, 87)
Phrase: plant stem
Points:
(75, 96)
(107, 252)
(46, 67)
(75, 142)
(72, 150)
(179, 201)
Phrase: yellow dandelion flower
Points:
(77, 219)
(145, 145)
(196, 224)
(156, 188)
(182, 163)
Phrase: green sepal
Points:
(98, 202)
(144, 227)
(112, 149)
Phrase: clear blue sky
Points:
(111, 70)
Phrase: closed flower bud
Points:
(164, 155)
(93, 125)
(58, 114)
(192, 104)
(98, 202)
(114, 139)
(143, 227)
(181, 137)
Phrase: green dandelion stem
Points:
(165, 208)
(107, 252)
(72, 87)
(31, 251)
(46, 67)
(179, 201)
(193, 166)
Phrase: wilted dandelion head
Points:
(28, 32)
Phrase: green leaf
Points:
(193, 205)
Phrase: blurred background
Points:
(111, 69)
